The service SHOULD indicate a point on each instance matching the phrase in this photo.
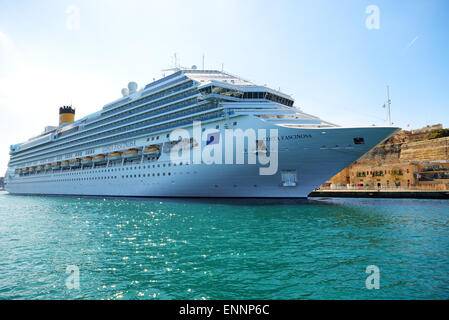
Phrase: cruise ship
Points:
(132, 146)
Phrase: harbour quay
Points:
(381, 193)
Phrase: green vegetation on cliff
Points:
(438, 133)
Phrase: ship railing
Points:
(149, 88)
(144, 101)
(152, 84)
(185, 105)
(142, 117)
(149, 123)
(133, 119)
(158, 128)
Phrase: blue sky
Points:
(320, 52)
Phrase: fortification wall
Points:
(425, 151)
(436, 150)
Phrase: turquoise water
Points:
(222, 249)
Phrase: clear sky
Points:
(333, 57)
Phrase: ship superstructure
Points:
(124, 149)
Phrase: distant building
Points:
(408, 160)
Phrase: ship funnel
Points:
(66, 115)
(132, 86)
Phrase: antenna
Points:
(388, 106)
(222, 67)
(176, 60)
(203, 61)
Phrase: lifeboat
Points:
(152, 150)
(131, 154)
(56, 165)
(99, 159)
(115, 156)
(40, 168)
(74, 163)
(47, 167)
(19, 171)
(65, 164)
(86, 161)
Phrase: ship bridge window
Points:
(254, 95)
(207, 90)
(359, 140)
(278, 99)
(221, 91)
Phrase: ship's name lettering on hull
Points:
(291, 137)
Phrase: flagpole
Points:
(388, 103)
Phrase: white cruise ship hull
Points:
(312, 155)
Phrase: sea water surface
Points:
(222, 249)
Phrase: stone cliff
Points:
(436, 150)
